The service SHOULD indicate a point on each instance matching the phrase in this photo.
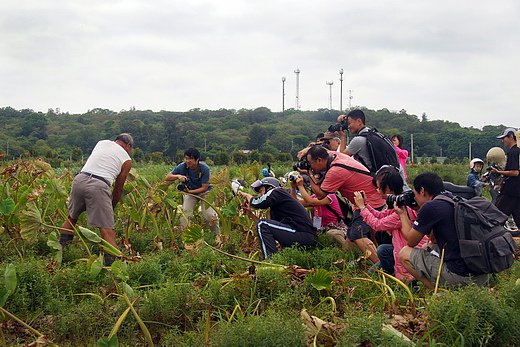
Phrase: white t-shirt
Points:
(106, 160)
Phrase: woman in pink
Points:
(402, 154)
(327, 214)
(388, 181)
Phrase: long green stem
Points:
(143, 327)
(242, 258)
(25, 325)
(439, 273)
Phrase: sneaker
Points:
(66, 239)
(108, 259)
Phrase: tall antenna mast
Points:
(297, 72)
(330, 83)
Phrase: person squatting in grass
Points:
(109, 163)
(332, 171)
(194, 176)
(327, 214)
(435, 219)
(388, 181)
(289, 222)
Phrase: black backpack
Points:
(485, 244)
(380, 149)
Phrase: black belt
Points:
(96, 177)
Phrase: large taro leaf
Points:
(7, 206)
(55, 186)
(89, 235)
(11, 281)
(30, 222)
(54, 243)
(108, 342)
(120, 270)
(192, 234)
(321, 279)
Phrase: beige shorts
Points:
(427, 265)
(94, 196)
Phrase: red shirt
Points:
(348, 182)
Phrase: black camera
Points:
(405, 199)
(338, 126)
(182, 187)
(302, 165)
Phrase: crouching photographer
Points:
(194, 176)
(333, 171)
(327, 214)
(389, 184)
(289, 222)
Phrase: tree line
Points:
(221, 135)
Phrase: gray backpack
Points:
(486, 246)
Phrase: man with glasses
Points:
(333, 171)
(109, 163)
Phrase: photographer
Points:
(194, 176)
(289, 222)
(332, 171)
(435, 219)
(327, 214)
(508, 200)
(389, 184)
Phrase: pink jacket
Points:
(402, 155)
(388, 220)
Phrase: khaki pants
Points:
(188, 206)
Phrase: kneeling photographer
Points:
(194, 176)
(389, 184)
(327, 214)
(289, 222)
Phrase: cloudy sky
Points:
(454, 60)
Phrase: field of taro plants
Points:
(182, 288)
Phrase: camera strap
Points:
(350, 168)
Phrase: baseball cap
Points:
(507, 132)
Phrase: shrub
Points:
(476, 315)
(174, 304)
(273, 329)
(81, 321)
(145, 272)
(33, 290)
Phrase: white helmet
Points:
(474, 161)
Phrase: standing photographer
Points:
(194, 176)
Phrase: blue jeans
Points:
(385, 253)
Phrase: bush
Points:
(145, 272)
(273, 329)
(87, 319)
(174, 304)
(476, 315)
(33, 290)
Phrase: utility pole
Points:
(283, 94)
(340, 90)
(297, 72)
(330, 83)
(411, 140)
(470, 150)
(350, 99)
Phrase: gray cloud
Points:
(452, 60)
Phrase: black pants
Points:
(270, 231)
(510, 205)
